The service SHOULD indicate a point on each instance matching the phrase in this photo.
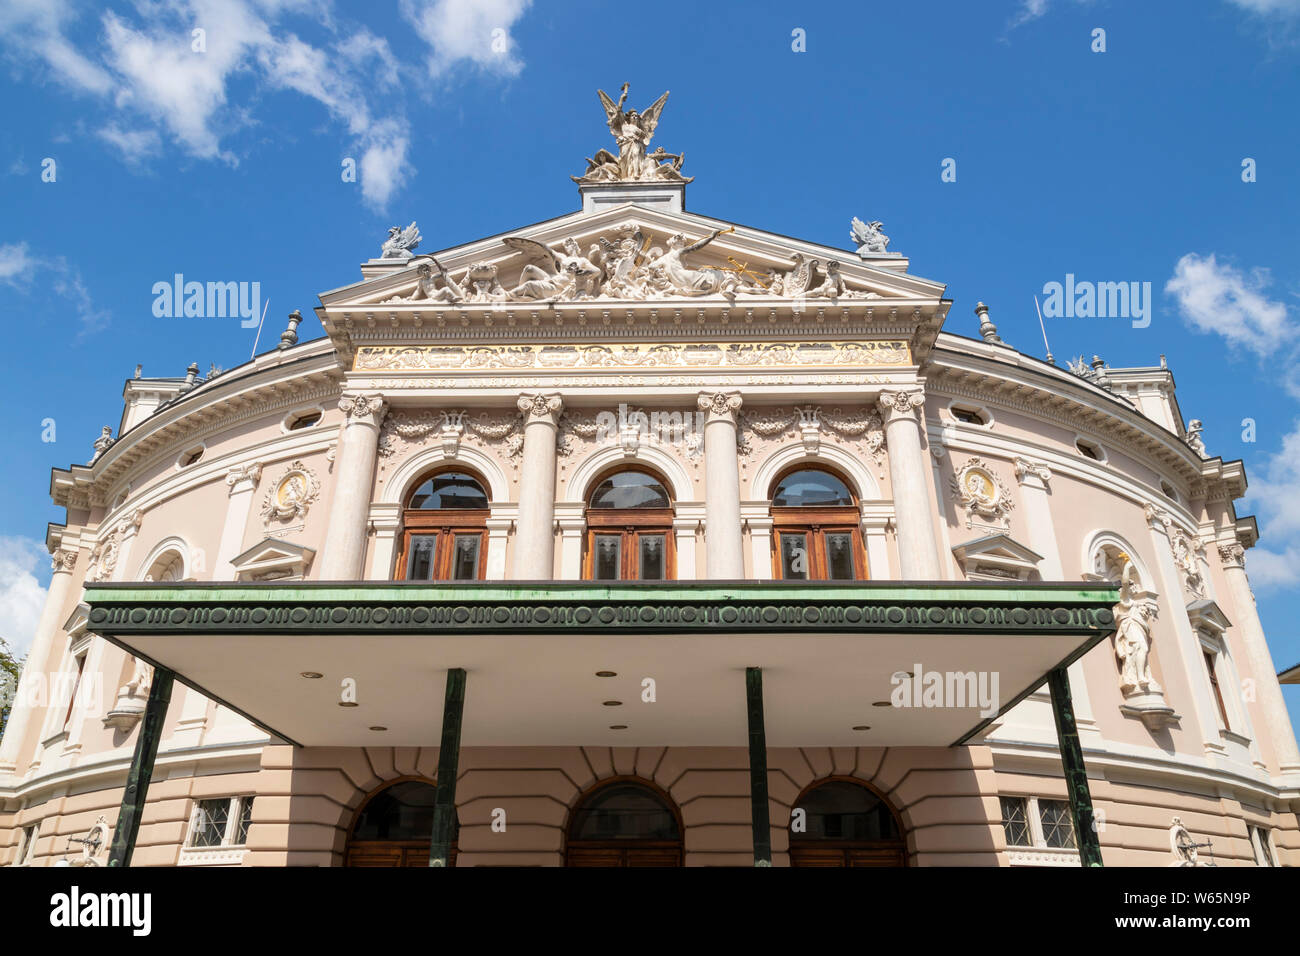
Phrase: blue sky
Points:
(224, 164)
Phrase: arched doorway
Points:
(394, 825)
(846, 823)
(624, 822)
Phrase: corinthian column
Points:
(534, 552)
(37, 658)
(345, 538)
(722, 538)
(1267, 690)
(909, 476)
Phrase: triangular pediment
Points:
(752, 256)
(997, 556)
(272, 558)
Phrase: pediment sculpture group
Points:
(626, 264)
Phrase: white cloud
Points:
(384, 166)
(155, 79)
(36, 28)
(18, 268)
(477, 31)
(16, 265)
(1285, 8)
(21, 595)
(1224, 300)
(1277, 496)
(135, 145)
(1029, 10)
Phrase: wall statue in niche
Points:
(1135, 617)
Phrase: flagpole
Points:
(259, 328)
(1050, 360)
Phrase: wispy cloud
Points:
(162, 82)
(475, 31)
(19, 269)
(1216, 298)
(21, 594)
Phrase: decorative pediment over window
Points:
(1206, 614)
(272, 559)
(997, 557)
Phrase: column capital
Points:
(63, 560)
(367, 409)
(1232, 555)
(719, 405)
(244, 477)
(538, 407)
(1032, 473)
(901, 403)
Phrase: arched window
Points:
(629, 529)
(816, 525)
(445, 529)
(624, 823)
(169, 566)
(845, 823)
(394, 827)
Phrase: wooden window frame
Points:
(630, 524)
(445, 525)
(817, 523)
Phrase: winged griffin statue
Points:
(400, 243)
(632, 130)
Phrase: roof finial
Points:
(988, 330)
(290, 335)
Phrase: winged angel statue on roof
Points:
(632, 131)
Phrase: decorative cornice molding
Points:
(761, 613)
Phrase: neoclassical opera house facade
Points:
(637, 537)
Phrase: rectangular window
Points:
(650, 559)
(464, 565)
(419, 565)
(27, 846)
(794, 556)
(222, 821)
(244, 819)
(839, 556)
(606, 561)
(76, 686)
(1210, 660)
(210, 821)
(1259, 845)
(1015, 821)
(1058, 827)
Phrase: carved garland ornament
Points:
(404, 429)
(859, 426)
(982, 494)
(292, 495)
